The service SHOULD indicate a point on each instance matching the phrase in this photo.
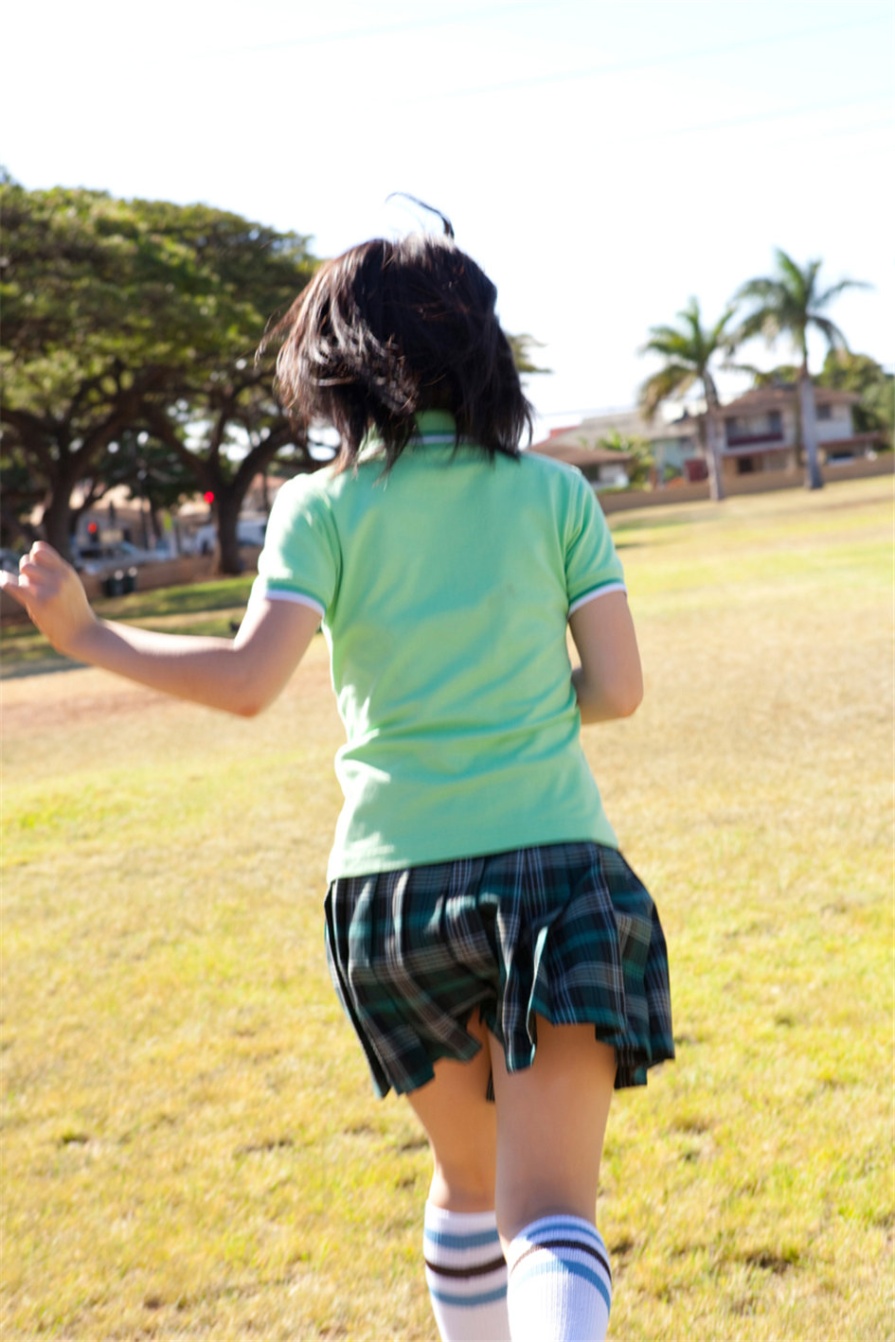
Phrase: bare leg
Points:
(551, 1121)
(462, 1129)
(465, 1269)
(551, 1124)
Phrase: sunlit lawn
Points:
(190, 1146)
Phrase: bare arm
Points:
(609, 681)
(240, 676)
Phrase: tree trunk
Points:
(57, 515)
(713, 456)
(156, 527)
(227, 505)
(813, 477)
(709, 436)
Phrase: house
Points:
(598, 464)
(672, 444)
(760, 430)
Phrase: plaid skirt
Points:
(565, 931)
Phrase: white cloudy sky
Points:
(603, 161)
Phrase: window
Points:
(824, 412)
(733, 430)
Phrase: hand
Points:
(53, 595)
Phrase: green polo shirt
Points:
(445, 589)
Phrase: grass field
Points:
(190, 1146)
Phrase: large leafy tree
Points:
(240, 431)
(150, 473)
(19, 497)
(122, 316)
(76, 359)
(791, 303)
(240, 427)
(689, 352)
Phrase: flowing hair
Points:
(389, 329)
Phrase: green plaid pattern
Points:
(566, 931)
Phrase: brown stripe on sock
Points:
(566, 1244)
(478, 1271)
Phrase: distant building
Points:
(672, 444)
(599, 465)
(761, 429)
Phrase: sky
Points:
(602, 161)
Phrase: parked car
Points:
(99, 556)
(115, 562)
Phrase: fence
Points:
(760, 482)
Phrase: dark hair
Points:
(389, 329)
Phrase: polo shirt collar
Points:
(434, 428)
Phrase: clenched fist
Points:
(53, 595)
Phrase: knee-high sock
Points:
(560, 1285)
(466, 1274)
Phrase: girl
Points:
(502, 965)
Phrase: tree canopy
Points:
(128, 316)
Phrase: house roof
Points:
(761, 399)
(580, 456)
(628, 423)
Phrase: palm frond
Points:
(734, 366)
(790, 302)
(824, 299)
(670, 344)
(670, 382)
(762, 289)
(690, 315)
(798, 283)
(830, 331)
(764, 320)
(718, 330)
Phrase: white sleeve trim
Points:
(598, 591)
(298, 598)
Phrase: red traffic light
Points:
(208, 496)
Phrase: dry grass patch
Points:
(190, 1146)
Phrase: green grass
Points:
(190, 1145)
(201, 608)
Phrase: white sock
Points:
(466, 1274)
(560, 1286)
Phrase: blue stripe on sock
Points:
(469, 1301)
(535, 1269)
(552, 1224)
(475, 1241)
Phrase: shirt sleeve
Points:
(592, 565)
(301, 559)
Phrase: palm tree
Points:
(791, 302)
(689, 350)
